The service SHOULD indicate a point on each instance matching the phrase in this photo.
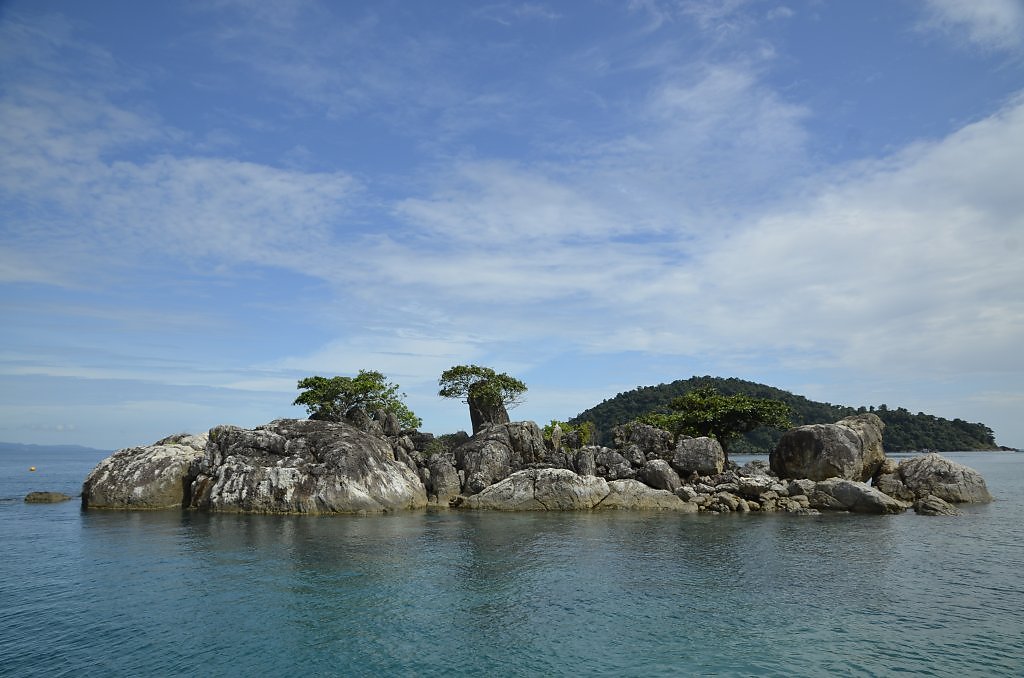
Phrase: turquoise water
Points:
(439, 593)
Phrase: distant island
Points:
(904, 431)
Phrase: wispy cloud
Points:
(991, 25)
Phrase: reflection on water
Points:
(439, 593)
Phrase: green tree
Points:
(584, 431)
(332, 398)
(488, 393)
(706, 412)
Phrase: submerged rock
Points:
(46, 497)
(933, 506)
(156, 476)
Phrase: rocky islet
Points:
(369, 465)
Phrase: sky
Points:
(202, 202)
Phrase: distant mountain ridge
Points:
(22, 448)
(904, 431)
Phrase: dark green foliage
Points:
(481, 384)
(704, 411)
(904, 431)
(331, 398)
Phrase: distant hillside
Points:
(28, 448)
(903, 430)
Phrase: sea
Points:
(457, 593)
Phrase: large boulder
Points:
(839, 494)
(302, 466)
(154, 476)
(611, 465)
(658, 474)
(932, 474)
(541, 490)
(703, 456)
(634, 495)
(443, 483)
(850, 448)
(497, 451)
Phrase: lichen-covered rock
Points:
(657, 473)
(634, 495)
(945, 479)
(541, 490)
(839, 494)
(303, 466)
(156, 476)
(703, 456)
(850, 448)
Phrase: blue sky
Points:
(203, 202)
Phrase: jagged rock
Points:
(892, 485)
(650, 441)
(634, 455)
(444, 479)
(497, 451)
(848, 495)
(583, 461)
(754, 468)
(945, 479)
(611, 465)
(156, 476)
(686, 492)
(634, 495)
(933, 506)
(303, 466)
(46, 497)
(658, 474)
(541, 490)
(851, 449)
(698, 455)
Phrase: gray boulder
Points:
(302, 466)
(635, 496)
(611, 465)
(156, 476)
(497, 451)
(850, 449)
(658, 474)
(443, 482)
(541, 490)
(933, 506)
(839, 494)
(583, 461)
(935, 475)
(703, 456)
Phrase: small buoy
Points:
(31, 468)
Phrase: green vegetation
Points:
(704, 411)
(332, 398)
(904, 431)
(487, 393)
(584, 431)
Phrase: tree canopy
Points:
(332, 398)
(481, 384)
(706, 412)
(487, 392)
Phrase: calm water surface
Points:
(438, 593)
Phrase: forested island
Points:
(904, 431)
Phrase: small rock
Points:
(933, 506)
(46, 497)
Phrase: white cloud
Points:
(989, 24)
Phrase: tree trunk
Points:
(483, 414)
